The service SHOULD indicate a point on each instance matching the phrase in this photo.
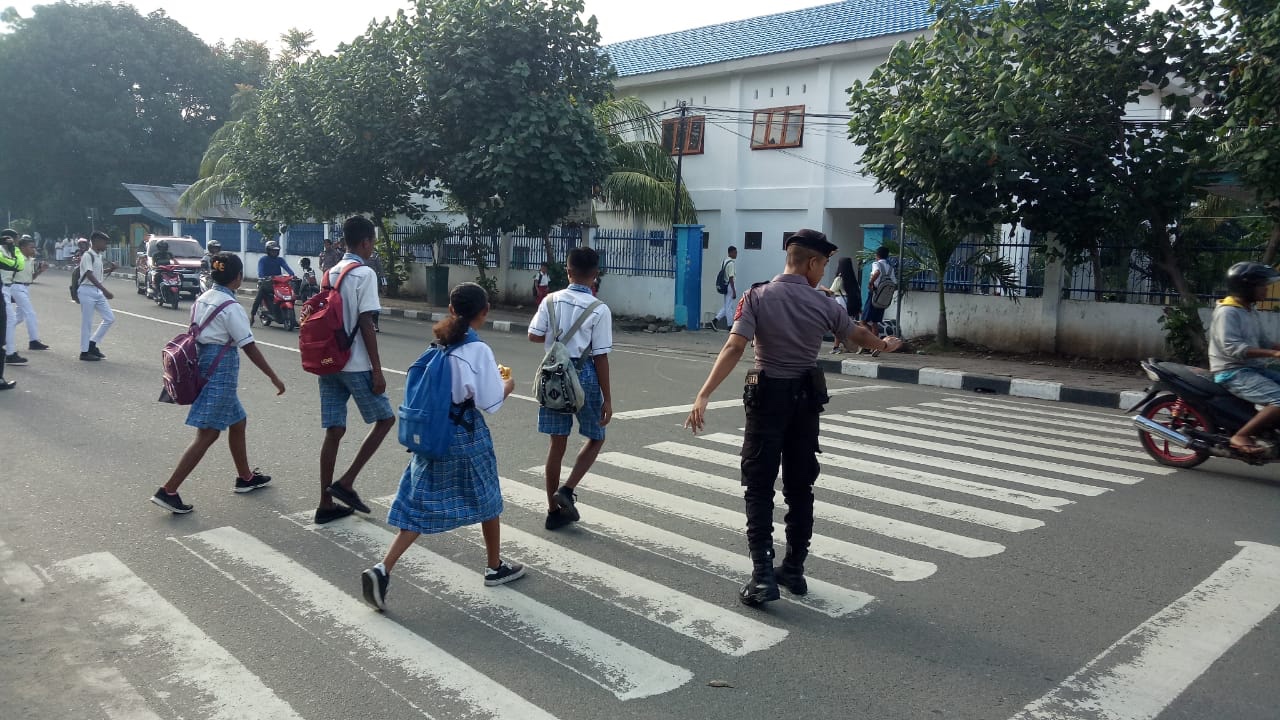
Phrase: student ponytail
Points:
(466, 302)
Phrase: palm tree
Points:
(642, 176)
(935, 240)
(217, 185)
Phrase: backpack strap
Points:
(577, 325)
(214, 366)
(324, 285)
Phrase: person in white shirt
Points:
(361, 378)
(729, 307)
(93, 297)
(223, 332)
(881, 271)
(589, 348)
(541, 283)
(19, 287)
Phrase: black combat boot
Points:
(790, 574)
(762, 587)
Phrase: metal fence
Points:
(1125, 273)
(1027, 258)
(228, 234)
(622, 252)
(306, 239)
(643, 254)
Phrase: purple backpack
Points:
(181, 361)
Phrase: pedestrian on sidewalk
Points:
(847, 290)
(882, 272)
(10, 257)
(727, 285)
(541, 284)
(361, 378)
(224, 333)
(93, 298)
(7, 263)
(20, 291)
(331, 255)
(783, 395)
(461, 488)
(589, 348)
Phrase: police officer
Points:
(784, 393)
(8, 262)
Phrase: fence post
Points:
(688, 305)
(1051, 300)
(244, 242)
(177, 228)
(503, 271)
(208, 232)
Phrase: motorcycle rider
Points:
(160, 256)
(1239, 350)
(213, 248)
(269, 266)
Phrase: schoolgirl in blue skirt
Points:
(461, 488)
(218, 408)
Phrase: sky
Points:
(337, 22)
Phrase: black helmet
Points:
(214, 247)
(273, 246)
(162, 246)
(1244, 277)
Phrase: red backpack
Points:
(181, 361)
(323, 341)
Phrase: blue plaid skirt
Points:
(218, 406)
(461, 489)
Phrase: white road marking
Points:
(309, 595)
(226, 687)
(119, 700)
(21, 579)
(888, 496)
(982, 434)
(1100, 418)
(1014, 446)
(622, 669)
(824, 597)
(985, 471)
(975, 453)
(1116, 433)
(975, 417)
(719, 404)
(877, 524)
(920, 477)
(894, 567)
(1146, 670)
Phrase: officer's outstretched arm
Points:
(863, 337)
(728, 359)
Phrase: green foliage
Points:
(97, 95)
(1184, 334)
(394, 265)
(642, 175)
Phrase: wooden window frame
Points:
(692, 121)
(782, 119)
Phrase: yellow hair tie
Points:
(219, 265)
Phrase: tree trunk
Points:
(943, 337)
(1273, 243)
(1095, 260)
(1186, 294)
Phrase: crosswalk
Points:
(905, 493)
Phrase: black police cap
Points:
(812, 240)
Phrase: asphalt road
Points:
(973, 553)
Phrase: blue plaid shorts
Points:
(337, 388)
(558, 423)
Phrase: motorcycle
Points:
(277, 307)
(306, 287)
(168, 286)
(1187, 418)
(206, 281)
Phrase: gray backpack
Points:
(556, 386)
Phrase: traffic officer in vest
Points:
(8, 262)
(784, 393)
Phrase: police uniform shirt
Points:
(788, 319)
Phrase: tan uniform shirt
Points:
(788, 319)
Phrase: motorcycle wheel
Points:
(1174, 414)
(291, 321)
(142, 289)
(175, 301)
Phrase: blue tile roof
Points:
(832, 24)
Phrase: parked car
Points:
(186, 253)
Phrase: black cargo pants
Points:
(782, 429)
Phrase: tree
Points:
(246, 62)
(99, 95)
(642, 175)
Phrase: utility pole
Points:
(679, 140)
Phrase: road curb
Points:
(984, 384)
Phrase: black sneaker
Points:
(558, 519)
(15, 359)
(567, 499)
(253, 483)
(713, 325)
(89, 356)
(326, 515)
(173, 503)
(503, 574)
(348, 497)
(7, 384)
(93, 350)
(375, 581)
(37, 345)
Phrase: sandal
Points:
(1250, 450)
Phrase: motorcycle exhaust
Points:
(1162, 432)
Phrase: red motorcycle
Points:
(277, 307)
(168, 286)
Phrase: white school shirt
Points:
(730, 273)
(476, 377)
(596, 332)
(359, 295)
(90, 262)
(885, 270)
(230, 326)
(543, 279)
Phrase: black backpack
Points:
(722, 280)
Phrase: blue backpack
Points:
(425, 427)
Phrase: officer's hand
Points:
(697, 416)
(606, 413)
(892, 344)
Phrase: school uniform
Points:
(461, 488)
(92, 300)
(593, 339)
(218, 406)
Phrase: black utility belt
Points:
(760, 388)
